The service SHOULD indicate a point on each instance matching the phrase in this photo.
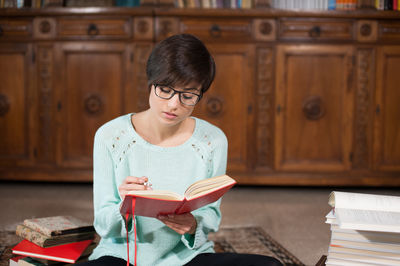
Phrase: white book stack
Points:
(365, 229)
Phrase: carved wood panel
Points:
(265, 100)
(45, 73)
(365, 88)
(141, 54)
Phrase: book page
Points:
(370, 220)
(157, 194)
(348, 200)
(208, 185)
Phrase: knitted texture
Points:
(120, 152)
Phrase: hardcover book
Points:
(68, 253)
(58, 225)
(152, 203)
(47, 241)
(368, 212)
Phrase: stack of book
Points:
(365, 229)
(48, 240)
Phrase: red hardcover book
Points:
(152, 203)
(68, 253)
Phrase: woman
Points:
(168, 148)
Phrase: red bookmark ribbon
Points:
(134, 231)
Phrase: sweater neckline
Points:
(141, 140)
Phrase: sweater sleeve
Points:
(108, 221)
(209, 217)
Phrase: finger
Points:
(135, 180)
(133, 186)
(177, 227)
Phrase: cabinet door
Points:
(387, 113)
(93, 87)
(16, 110)
(314, 107)
(227, 103)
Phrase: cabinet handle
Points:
(93, 30)
(278, 109)
(378, 109)
(1, 31)
(215, 31)
(315, 32)
(4, 105)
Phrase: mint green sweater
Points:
(120, 152)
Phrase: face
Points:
(171, 111)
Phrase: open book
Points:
(152, 203)
(368, 212)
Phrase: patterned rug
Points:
(251, 240)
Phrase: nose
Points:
(174, 101)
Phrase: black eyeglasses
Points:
(167, 92)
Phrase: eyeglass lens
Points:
(166, 92)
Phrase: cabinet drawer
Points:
(215, 29)
(389, 31)
(316, 29)
(15, 29)
(94, 28)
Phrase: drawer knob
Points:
(143, 26)
(315, 32)
(313, 108)
(4, 105)
(93, 104)
(215, 31)
(365, 30)
(44, 26)
(93, 30)
(265, 28)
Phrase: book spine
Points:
(332, 4)
(31, 235)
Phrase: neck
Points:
(164, 135)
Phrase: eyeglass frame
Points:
(179, 93)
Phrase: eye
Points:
(188, 96)
(165, 89)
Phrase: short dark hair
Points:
(180, 60)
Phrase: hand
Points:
(132, 183)
(180, 223)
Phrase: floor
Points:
(294, 216)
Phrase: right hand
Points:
(132, 183)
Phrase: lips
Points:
(169, 115)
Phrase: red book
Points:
(68, 253)
(152, 203)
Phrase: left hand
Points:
(180, 223)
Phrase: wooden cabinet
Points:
(305, 98)
(93, 81)
(387, 110)
(228, 103)
(65, 74)
(314, 107)
(17, 105)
